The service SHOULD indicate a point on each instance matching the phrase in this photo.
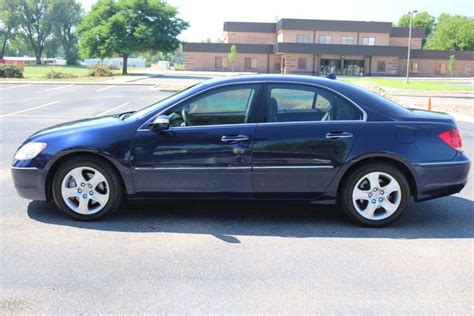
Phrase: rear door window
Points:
(297, 103)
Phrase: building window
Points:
(381, 66)
(302, 38)
(302, 63)
(368, 41)
(441, 69)
(324, 39)
(220, 62)
(414, 68)
(280, 37)
(347, 40)
(250, 63)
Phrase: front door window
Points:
(229, 105)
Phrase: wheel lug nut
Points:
(375, 190)
(380, 200)
(373, 201)
(382, 192)
(370, 194)
(85, 196)
(90, 185)
(83, 184)
(80, 191)
(91, 193)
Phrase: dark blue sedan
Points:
(265, 137)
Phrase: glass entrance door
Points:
(353, 67)
(330, 66)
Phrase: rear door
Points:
(306, 136)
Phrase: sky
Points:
(206, 17)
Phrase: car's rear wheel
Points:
(86, 188)
(375, 194)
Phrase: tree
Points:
(123, 27)
(422, 19)
(35, 20)
(232, 56)
(452, 64)
(66, 16)
(453, 32)
(8, 22)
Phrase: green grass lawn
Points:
(38, 72)
(417, 84)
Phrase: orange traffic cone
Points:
(429, 103)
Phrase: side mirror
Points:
(160, 123)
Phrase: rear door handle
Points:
(237, 138)
(338, 135)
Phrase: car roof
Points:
(262, 78)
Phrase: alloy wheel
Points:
(85, 190)
(376, 195)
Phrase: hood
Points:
(75, 126)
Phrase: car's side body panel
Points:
(193, 159)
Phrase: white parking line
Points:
(49, 116)
(113, 109)
(103, 89)
(30, 109)
(57, 88)
(16, 86)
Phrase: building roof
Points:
(334, 25)
(225, 48)
(324, 25)
(403, 32)
(258, 27)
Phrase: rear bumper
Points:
(437, 179)
(29, 183)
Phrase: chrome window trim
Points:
(442, 163)
(364, 114)
(293, 167)
(233, 168)
(193, 168)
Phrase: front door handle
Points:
(236, 138)
(338, 135)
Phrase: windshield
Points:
(157, 105)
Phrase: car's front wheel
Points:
(86, 188)
(375, 194)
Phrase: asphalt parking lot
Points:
(214, 258)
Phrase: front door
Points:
(207, 149)
(307, 135)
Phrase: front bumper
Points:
(437, 179)
(29, 182)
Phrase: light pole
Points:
(409, 44)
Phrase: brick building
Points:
(317, 47)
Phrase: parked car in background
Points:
(274, 137)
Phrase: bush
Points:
(99, 70)
(178, 67)
(59, 75)
(114, 67)
(10, 71)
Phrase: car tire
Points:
(87, 188)
(375, 194)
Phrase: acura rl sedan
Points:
(261, 137)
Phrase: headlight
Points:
(29, 151)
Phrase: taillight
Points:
(452, 137)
